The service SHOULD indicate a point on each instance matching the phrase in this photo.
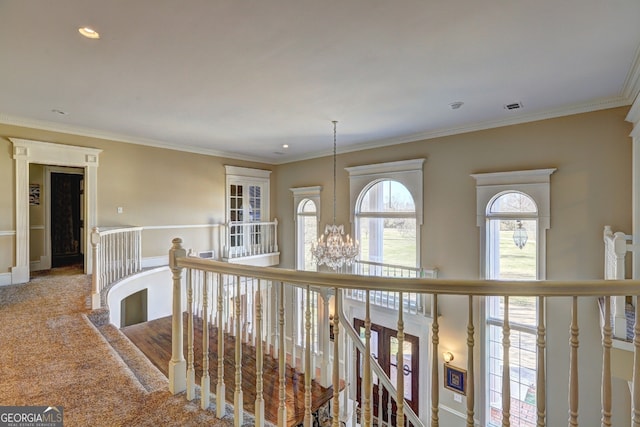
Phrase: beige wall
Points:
(591, 188)
(154, 186)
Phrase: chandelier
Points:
(334, 249)
(520, 236)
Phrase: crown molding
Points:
(113, 136)
(631, 86)
(594, 105)
(585, 107)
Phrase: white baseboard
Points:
(43, 264)
(5, 279)
(157, 261)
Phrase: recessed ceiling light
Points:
(57, 111)
(89, 32)
(456, 105)
(285, 145)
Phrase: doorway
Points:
(384, 347)
(66, 218)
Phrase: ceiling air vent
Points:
(513, 106)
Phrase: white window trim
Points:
(534, 183)
(249, 176)
(406, 172)
(300, 194)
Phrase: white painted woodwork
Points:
(259, 406)
(282, 393)
(336, 360)
(245, 275)
(220, 386)
(606, 365)
(116, 254)
(238, 411)
(435, 381)
(177, 364)
(506, 365)
(541, 367)
(28, 151)
(191, 375)
(308, 372)
(615, 251)
(635, 389)
(470, 366)
(366, 356)
(400, 365)
(573, 365)
(205, 381)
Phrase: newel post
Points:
(97, 269)
(177, 364)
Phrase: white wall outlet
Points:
(120, 210)
(457, 397)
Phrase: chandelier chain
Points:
(335, 122)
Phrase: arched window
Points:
(307, 231)
(386, 224)
(513, 214)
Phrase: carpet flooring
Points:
(52, 354)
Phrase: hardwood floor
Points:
(154, 340)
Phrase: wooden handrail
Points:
(546, 288)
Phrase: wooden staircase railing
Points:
(215, 274)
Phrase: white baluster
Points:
(336, 361)
(435, 382)
(297, 313)
(541, 382)
(282, 405)
(205, 383)
(573, 365)
(238, 411)
(220, 387)
(96, 286)
(606, 365)
(635, 398)
(400, 364)
(177, 364)
(506, 365)
(275, 235)
(259, 409)
(308, 419)
(380, 411)
(191, 377)
(470, 368)
(366, 380)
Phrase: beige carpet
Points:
(51, 354)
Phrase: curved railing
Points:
(212, 275)
(117, 253)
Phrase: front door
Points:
(384, 348)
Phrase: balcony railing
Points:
(117, 253)
(414, 303)
(616, 247)
(245, 239)
(212, 275)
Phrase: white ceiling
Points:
(243, 77)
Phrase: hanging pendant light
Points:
(520, 236)
(333, 248)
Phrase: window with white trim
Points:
(513, 211)
(247, 202)
(306, 203)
